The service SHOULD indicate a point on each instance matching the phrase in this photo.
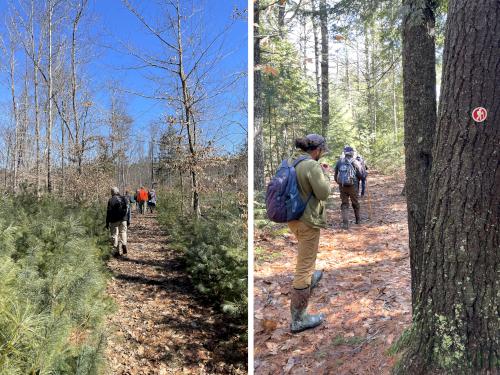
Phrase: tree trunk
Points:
(281, 17)
(189, 121)
(35, 94)
(457, 319)
(12, 67)
(316, 53)
(325, 91)
(259, 181)
(419, 75)
(49, 118)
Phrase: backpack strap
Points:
(295, 163)
(299, 159)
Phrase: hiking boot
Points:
(358, 217)
(301, 320)
(315, 278)
(345, 219)
(124, 249)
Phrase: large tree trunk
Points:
(325, 91)
(258, 108)
(419, 75)
(457, 317)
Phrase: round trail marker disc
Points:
(479, 114)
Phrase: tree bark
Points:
(259, 182)
(189, 121)
(314, 18)
(419, 88)
(457, 318)
(12, 67)
(325, 91)
(35, 94)
(49, 94)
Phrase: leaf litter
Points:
(365, 291)
(162, 325)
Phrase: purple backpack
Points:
(283, 201)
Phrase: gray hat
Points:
(318, 141)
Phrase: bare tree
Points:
(192, 60)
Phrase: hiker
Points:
(151, 200)
(131, 199)
(347, 174)
(314, 187)
(117, 221)
(142, 198)
(136, 198)
(364, 173)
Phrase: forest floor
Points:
(162, 326)
(365, 291)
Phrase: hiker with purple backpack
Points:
(348, 172)
(297, 195)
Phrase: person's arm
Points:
(358, 169)
(336, 171)
(320, 182)
(108, 213)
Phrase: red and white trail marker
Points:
(479, 114)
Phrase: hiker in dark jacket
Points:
(117, 220)
(364, 173)
(347, 175)
(314, 187)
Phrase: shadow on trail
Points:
(164, 326)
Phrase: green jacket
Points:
(311, 178)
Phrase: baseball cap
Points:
(348, 150)
(318, 140)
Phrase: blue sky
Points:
(113, 25)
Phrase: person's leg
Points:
(363, 186)
(353, 195)
(114, 230)
(123, 235)
(344, 207)
(308, 239)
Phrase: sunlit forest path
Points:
(161, 325)
(365, 291)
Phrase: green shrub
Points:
(52, 289)
(215, 251)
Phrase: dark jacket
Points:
(357, 168)
(117, 205)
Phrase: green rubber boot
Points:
(301, 320)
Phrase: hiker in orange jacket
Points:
(142, 198)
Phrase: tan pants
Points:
(308, 238)
(118, 231)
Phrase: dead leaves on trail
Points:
(365, 292)
(162, 326)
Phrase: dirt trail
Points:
(365, 291)
(161, 326)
